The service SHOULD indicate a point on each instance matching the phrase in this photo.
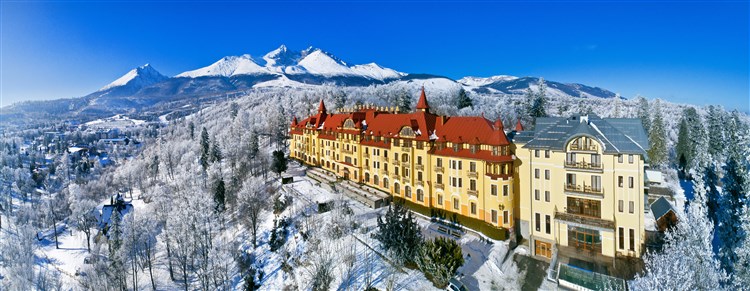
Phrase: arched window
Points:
(367, 177)
(385, 182)
(349, 124)
(406, 132)
(396, 188)
(420, 195)
(407, 192)
(375, 180)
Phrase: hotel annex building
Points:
(557, 185)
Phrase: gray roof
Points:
(661, 207)
(618, 135)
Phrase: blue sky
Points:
(694, 52)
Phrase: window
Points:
(455, 203)
(536, 173)
(459, 183)
(619, 181)
(621, 236)
(546, 196)
(472, 184)
(570, 158)
(396, 188)
(459, 165)
(630, 182)
(619, 159)
(472, 167)
(546, 174)
(632, 239)
(547, 223)
(439, 162)
(419, 176)
(440, 178)
(505, 217)
(596, 183)
(420, 195)
(505, 190)
(473, 208)
(440, 199)
(538, 222)
(494, 215)
(631, 207)
(419, 160)
(596, 160)
(493, 190)
(630, 159)
(536, 195)
(585, 207)
(536, 155)
(453, 181)
(620, 205)
(407, 191)
(546, 154)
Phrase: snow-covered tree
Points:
(644, 114)
(657, 153)
(687, 261)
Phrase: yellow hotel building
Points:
(581, 187)
(573, 185)
(461, 165)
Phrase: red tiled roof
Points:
(321, 107)
(519, 127)
(466, 153)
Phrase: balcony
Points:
(406, 149)
(585, 220)
(406, 164)
(394, 161)
(473, 192)
(348, 152)
(584, 166)
(419, 167)
(473, 174)
(439, 169)
(384, 172)
(366, 167)
(420, 183)
(439, 186)
(366, 155)
(585, 189)
(583, 148)
(395, 176)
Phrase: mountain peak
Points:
(138, 77)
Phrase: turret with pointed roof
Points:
(422, 103)
(322, 107)
(519, 127)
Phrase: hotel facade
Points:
(468, 166)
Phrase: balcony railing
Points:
(348, 152)
(585, 220)
(587, 189)
(473, 192)
(420, 183)
(439, 169)
(366, 167)
(366, 155)
(395, 176)
(384, 172)
(439, 186)
(406, 149)
(394, 161)
(473, 174)
(583, 165)
(419, 167)
(405, 164)
(580, 147)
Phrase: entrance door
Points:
(543, 249)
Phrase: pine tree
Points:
(439, 258)
(539, 101)
(399, 234)
(683, 146)
(279, 162)
(643, 113)
(216, 155)
(617, 101)
(191, 129)
(741, 275)
(205, 147)
(219, 195)
(657, 153)
(254, 146)
(463, 100)
(116, 270)
(736, 183)
(715, 120)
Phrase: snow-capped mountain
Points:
(139, 77)
(144, 88)
(481, 81)
(282, 61)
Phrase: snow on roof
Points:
(654, 176)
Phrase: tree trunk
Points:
(150, 271)
(88, 239)
(169, 261)
(54, 229)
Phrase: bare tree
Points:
(253, 200)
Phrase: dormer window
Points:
(474, 149)
(349, 124)
(407, 132)
(456, 147)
